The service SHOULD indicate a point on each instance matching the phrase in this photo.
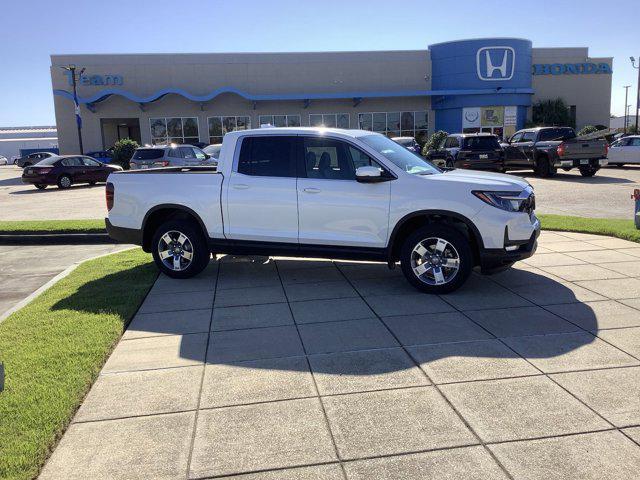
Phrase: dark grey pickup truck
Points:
(545, 149)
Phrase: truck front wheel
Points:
(180, 249)
(436, 259)
(544, 168)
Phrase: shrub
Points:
(123, 151)
(433, 142)
(587, 129)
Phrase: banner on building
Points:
(471, 117)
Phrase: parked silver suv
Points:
(168, 156)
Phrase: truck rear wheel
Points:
(588, 171)
(436, 259)
(179, 249)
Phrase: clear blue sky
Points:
(32, 30)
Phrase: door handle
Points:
(240, 186)
(311, 190)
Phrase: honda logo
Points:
(495, 63)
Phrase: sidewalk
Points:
(299, 369)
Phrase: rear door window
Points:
(528, 137)
(273, 156)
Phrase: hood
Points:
(482, 180)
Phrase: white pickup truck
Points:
(316, 192)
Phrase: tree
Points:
(549, 113)
(434, 141)
(123, 151)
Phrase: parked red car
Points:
(66, 170)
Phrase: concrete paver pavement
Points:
(294, 369)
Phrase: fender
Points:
(174, 206)
(421, 213)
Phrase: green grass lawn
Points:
(54, 348)
(615, 227)
(52, 226)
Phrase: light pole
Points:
(72, 71)
(633, 64)
(626, 93)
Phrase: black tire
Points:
(195, 243)
(566, 169)
(544, 168)
(40, 186)
(619, 165)
(64, 181)
(427, 234)
(92, 183)
(588, 171)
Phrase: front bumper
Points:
(122, 234)
(493, 260)
(577, 163)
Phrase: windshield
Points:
(213, 150)
(399, 156)
(148, 153)
(481, 143)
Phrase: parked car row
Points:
(541, 149)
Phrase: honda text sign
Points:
(495, 63)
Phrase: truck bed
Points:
(138, 192)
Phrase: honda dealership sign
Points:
(495, 63)
(570, 68)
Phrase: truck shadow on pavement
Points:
(351, 319)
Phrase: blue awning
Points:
(104, 94)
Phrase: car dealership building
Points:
(485, 85)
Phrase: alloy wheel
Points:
(435, 261)
(175, 250)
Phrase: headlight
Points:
(509, 201)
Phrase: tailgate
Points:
(577, 149)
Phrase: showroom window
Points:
(396, 124)
(329, 120)
(219, 126)
(280, 120)
(168, 130)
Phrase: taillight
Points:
(163, 163)
(43, 169)
(606, 149)
(108, 193)
(561, 150)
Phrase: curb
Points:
(57, 239)
(25, 301)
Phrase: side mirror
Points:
(207, 156)
(369, 175)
